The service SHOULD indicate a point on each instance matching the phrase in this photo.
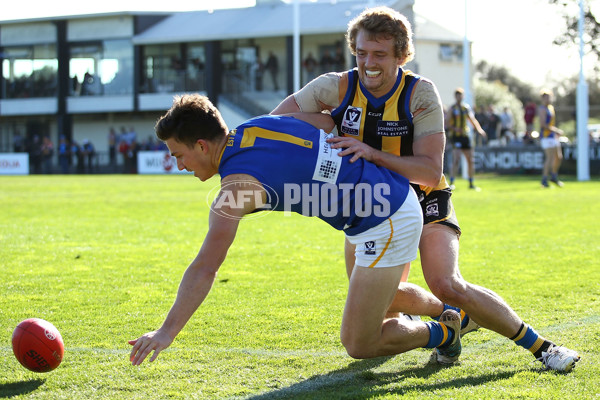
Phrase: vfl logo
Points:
(370, 248)
(351, 121)
(432, 209)
(352, 116)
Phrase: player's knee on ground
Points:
(354, 348)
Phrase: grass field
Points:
(101, 258)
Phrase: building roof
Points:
(274, 20)
(425, 29)
(264, 20)
(84, 16)
(269, 18)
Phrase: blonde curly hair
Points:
(383, 22)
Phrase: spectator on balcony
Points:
(86, 85)
(272, 66)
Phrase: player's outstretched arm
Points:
(197, 280)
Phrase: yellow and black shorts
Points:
(461, 143)
(438, 209)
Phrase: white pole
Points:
(467, 63)
(583, 140)
(296, 40)
(467, 86)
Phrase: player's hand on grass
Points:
(352, 146)
(152, 341)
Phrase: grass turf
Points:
(101, 257)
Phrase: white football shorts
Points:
(395, 241)
(549, 142)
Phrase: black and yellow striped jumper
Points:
(384, 123)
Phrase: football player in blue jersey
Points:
(550, 140)
(285, 164)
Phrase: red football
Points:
(37, 344)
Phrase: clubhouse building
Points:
(74, 78)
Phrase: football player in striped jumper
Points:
(457, 117)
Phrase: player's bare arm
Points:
(319, 95)
(476, 125)
(318, 120)
(199, 277)
(288, 105)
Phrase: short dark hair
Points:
(190, 118)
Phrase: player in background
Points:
(394, 118)
(264, 159)
(456, 121)
(529, 113)
(549, 140)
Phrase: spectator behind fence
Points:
(529, 117)
(35, 154)
(493, 123)
(77, 153)
(506, 125)
(64, 155)
(18, 143)
(47, 153)
(89, 154)
(112, 147)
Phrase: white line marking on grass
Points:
(593, 319)
(250, 352)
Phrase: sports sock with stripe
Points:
(439, 334)
(530, 340)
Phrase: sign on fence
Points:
(157, 162)
(527, 160)
(14, 164)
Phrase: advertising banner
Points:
(157, 162)
(14, 164)
(526, 160)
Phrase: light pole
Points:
(583, 140)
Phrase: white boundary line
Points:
(546, 331)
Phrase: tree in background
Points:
(570, 11)
(493, 73)
(493, 83)
(499, 95)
